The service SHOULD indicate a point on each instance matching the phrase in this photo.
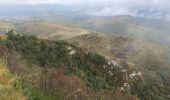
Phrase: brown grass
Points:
(3, 37)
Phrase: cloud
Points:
(143, 8)
(140, 8)
(109, 11)
(39, 2)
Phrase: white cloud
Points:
(140, 8)
(39, 2)
(126, 3)
(151, 8)
(18, 2)
(109, 11)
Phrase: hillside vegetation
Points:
(7, 84)
(147, 56)
(57, 70)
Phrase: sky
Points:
(158, 9)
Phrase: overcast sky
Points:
(139, 8)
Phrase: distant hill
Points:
(145, 28)
(42, 29)
(49, 30)
(5, 27)
(149, 29)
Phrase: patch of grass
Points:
(7, 80)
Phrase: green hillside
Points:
(120, 58)
(147, 56)
(51, 70)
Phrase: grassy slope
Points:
(47, 30)
(118, 46)
(7, 80)
(42, 29)
(5, 26)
